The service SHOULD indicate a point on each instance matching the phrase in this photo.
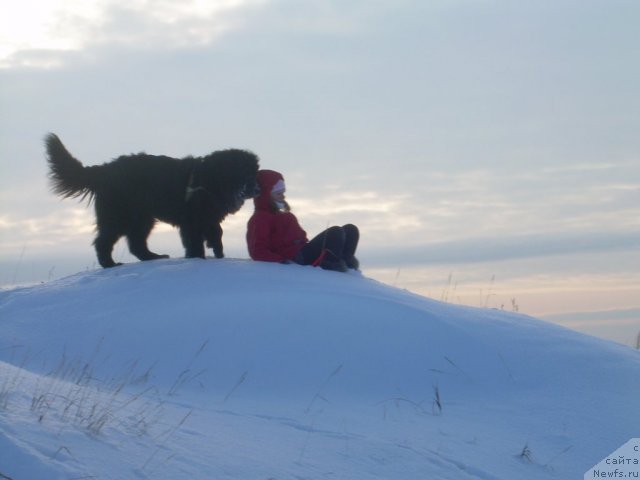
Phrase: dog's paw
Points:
(111, 265)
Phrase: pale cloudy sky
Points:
(488, 149)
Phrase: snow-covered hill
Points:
(232, 369)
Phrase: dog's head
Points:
(230, 177)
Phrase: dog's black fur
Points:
(133, 191)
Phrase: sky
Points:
(488, 150)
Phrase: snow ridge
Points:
(233, 369)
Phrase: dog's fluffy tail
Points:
(69, 178)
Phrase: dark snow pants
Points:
(340, 241)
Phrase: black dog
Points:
(133, 191)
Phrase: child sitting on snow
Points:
(274, 234)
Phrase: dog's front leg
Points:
(213, 234)
(192, 241)
(193, 229)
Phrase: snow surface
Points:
(232, 369)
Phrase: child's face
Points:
(277, 196)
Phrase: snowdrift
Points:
(237, 369)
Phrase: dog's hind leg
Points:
(137, 239)
(109, 231)
(104, 242)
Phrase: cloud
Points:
(38, 33)
(475, 208)
(44, 231)
(502, 248)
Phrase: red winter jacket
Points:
(272, 235)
